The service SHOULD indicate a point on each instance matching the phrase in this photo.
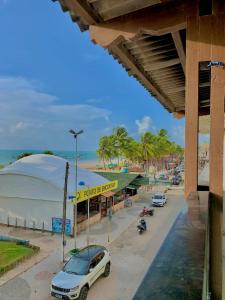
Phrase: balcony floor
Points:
(178, 269)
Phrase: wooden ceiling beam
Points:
(175, 89)
(168, 76)
(155, 50)
(156, 60)
(163, 64)
(148, 44)
(110, 9)
(180, 49)
(170, 18)
(149, 53)
(137, 71)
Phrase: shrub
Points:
(49, 152)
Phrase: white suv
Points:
(159, 199)
(80, 272)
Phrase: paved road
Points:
(131, 256)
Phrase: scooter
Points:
(146, 212)
(141, 227)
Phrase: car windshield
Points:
(76, 265)
(157, 197)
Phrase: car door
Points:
(92, 271)
(100, 265)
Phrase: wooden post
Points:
(217, 129)
(216, 179)
(216, 156)
(205, 42)
(191, 107)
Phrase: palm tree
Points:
(164, 146)
(132, 151)
(120, 140)
(163, 133)
(147, 147)
(105, 149)
(152, 147)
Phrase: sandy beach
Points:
(90, 165)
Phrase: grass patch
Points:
(11, 254)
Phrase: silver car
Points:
(80, 272)
(159, 199)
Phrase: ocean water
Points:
(9, 156)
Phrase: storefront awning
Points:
(108, 194)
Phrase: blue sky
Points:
(53, 78)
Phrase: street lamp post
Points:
(75, 135)
(82, 183)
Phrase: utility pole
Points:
(64, 211)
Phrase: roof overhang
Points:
(148, 38)
(108, 194)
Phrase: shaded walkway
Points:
(177, 271)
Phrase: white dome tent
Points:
(31, 190)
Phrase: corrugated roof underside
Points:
(104, 10)
(109, 9)
(157, 58)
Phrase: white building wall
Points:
(31, 189)
(33, 211)
(32, 199)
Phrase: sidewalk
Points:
(31, 284)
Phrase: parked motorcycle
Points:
(146, 212)
(141, 227)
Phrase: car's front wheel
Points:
(83, 293)
(107, 270)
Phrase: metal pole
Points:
(75, 204)
(74, 233)
(64, 211)
(88, 227)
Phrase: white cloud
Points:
(144, 124)
(33, 119)
(21, 125)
